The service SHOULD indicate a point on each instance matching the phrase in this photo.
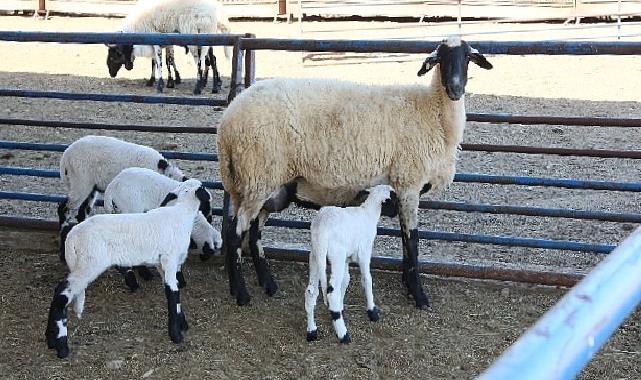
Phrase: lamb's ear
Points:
(389, 208)
(184, 178)
(163, 164)
(361, 196)
(170, 197)
(431, 61)
(479, 59)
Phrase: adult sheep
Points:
(323, 141)
(170, 16)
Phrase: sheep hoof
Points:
(178, 80)
(62, 349)
(160, 85)
(373, 314)
(197, 90)
(346, 339)
(150, 82)
(271, 288)
(312, 335)
(171, 83)
(176, 338)
(242, 298)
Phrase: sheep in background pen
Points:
(320, 142)
(159, 237)
(90, 163)
(171, 16)
(341, 235)
(136, 190)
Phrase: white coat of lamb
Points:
(342, 235)
(137, 190)
(90, 163)
(159, 237)
(170, 16)
(319, 142)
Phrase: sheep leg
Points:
(152, 78)
(160, 83)
(215, 87)
(199, 60)
(169, 59)
(56, 332)
(180, 278)
(366, 282)
(84, 209)
(408, 220)
(176, 322)
(311, 296)
(130, 277)
(234, 260)
(265, 278)
(335, 299)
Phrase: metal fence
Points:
(243, 64)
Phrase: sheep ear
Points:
(479, 59)
(431, 61)
(163, 164)
(389, 208)
(361, 196)
(170, 197)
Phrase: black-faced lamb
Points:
(136, 190)
(171, 16)
(90, 163)
(323, 141)
(159, 237)
(342, 235)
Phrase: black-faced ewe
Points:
(172, 16)
(342, 235)
(137, 190)
(90, 163)
(159, 237)
(323, 141)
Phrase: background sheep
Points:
(136, 190)
(323, 141)
(159, 237)
(171, 16)
(90, 163)
(341, 235)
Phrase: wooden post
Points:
(250, 64)
(282, 7)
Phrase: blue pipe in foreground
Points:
(564, 340)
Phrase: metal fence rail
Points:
(564, 340)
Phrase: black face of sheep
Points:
(117, 56)
(453, 55)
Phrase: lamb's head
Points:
(172, 171)
(119, 55)
(380, 193)
(453, 55)
(189, 190)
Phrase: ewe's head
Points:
(119, 55)
(453, 55)
(171, 171)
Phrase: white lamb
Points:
(159, 237)
(170, 16)
(320, 142)
(90, 163)
(137, 190)
(341, 235)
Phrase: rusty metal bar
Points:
(112, 127)
(381, 263)
(236, 79)
(600, 153)
(564, 340)
(554, 120)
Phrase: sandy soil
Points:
(472, 321)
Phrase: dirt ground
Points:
(472, 321)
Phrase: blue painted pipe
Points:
(129, 98)
(46, 147)
(111, 127)
(564, 340)
(122, 38)
(541, 181)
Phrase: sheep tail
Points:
(321, 264)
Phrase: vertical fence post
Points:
(235, 86)
(250, 64)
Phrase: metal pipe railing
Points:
(564, 340)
